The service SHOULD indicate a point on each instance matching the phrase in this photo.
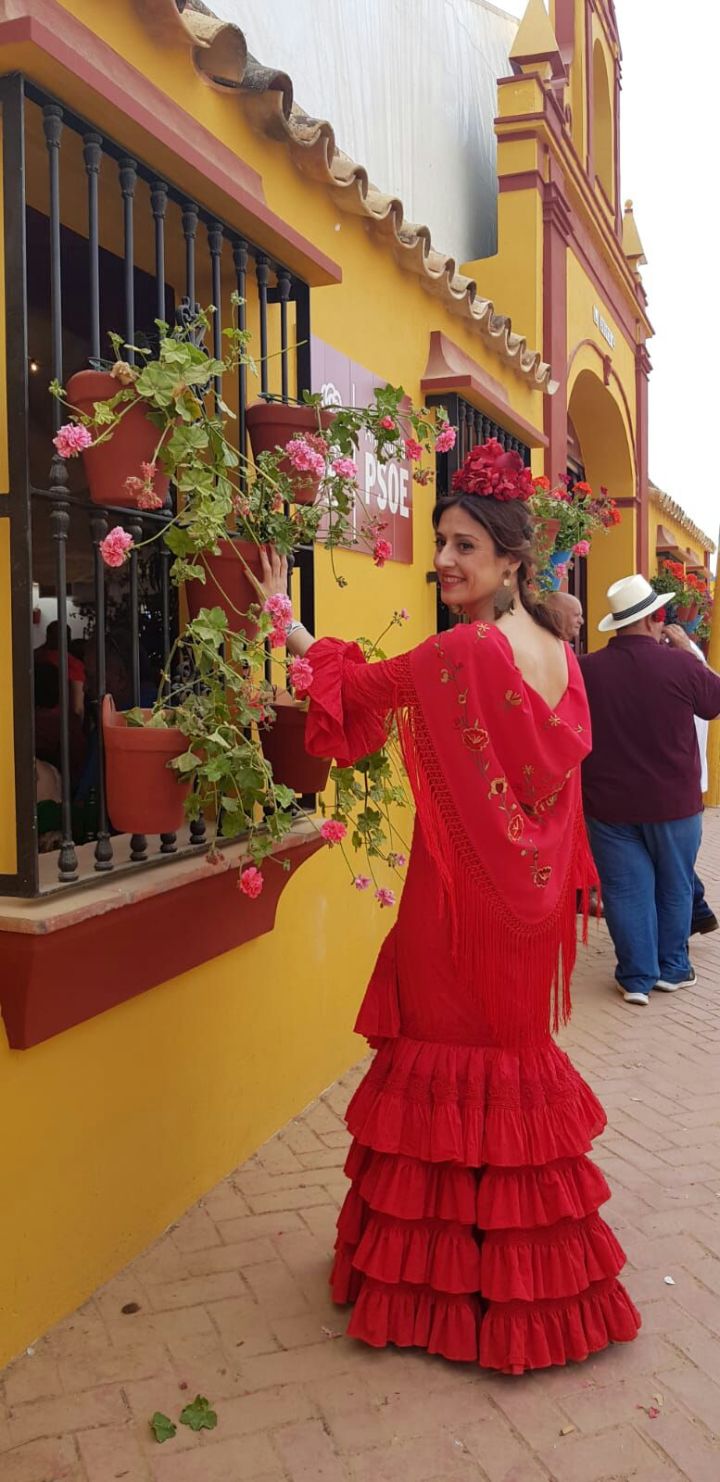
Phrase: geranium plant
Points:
(572, 514)
(688, 590)
(214, 689)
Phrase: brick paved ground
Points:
(233, 1304)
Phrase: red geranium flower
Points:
(491, 472)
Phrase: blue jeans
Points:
(701, 910)
(647, 872)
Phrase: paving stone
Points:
(234, 1304)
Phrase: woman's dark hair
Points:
(511, 528)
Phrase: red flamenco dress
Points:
(471, 1228)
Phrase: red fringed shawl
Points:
(495, 775)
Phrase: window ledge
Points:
(67, 957)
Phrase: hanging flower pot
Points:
(227, 584)
(272, 424)
(134, 442)
(283, 745)
(552, 575)
(144, 794)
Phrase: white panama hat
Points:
(631, 599)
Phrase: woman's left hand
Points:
(274, 572)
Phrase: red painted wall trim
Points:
(642, 375)
(556, 234)
(74, 48)
(525, 180)
(51, 981)
(589, 94)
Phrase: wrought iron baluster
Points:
(240, 262)
(262, 273)
(168, 842)
(284, 283)
(190, 214)
(92, 154)
(138, 842)
(103, 846)
(487, 429)
(128, 181)
(60, 508)
(215, 243)
(158, 203)
(53, 128)
(59, 526)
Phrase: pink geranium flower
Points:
(382, 551)
(361, 882)
(385, 897)
(413, 449)
(445, 439)
(582, 548)
(301, 675)
(115, 547)
(279, 608)
(71, 439)
(387, 424)
(404, 614)
(332, 831)
(397, 861)
(344, 468)
(304, 457)
(251, 882)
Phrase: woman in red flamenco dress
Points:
(471, 1227)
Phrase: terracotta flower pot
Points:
(133, 442)
(144, 794)
(272, 424)
(283, 745)
(227, 584)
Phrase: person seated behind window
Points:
(48, 654)
(47, 721)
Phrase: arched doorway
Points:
(602, 446)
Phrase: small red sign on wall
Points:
(385, 490)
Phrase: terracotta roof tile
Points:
(219, 52)
(676, 513)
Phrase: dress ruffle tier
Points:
(471, 1227)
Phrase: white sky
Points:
(669, 141)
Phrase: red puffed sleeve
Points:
(351, 701)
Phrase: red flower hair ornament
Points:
(492, 473)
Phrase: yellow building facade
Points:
(155, 1032)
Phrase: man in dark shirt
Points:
(641, 786)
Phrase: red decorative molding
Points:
(115, 89)
(556, 231)
(450, 369)
(525, 180)
(642, 374)
(52, 980)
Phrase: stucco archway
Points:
(608, 458)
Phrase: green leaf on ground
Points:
(163, 1428)
(199, 1415)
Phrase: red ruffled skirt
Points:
(471, 1228)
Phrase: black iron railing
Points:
(96, 241)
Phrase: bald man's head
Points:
(568, 611)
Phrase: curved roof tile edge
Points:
(676, 512)
(219, 52)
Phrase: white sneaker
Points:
(642, 998)
(673, 987)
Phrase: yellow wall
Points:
(122, 1122)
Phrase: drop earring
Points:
(504, 596)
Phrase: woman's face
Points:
(469, 569)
